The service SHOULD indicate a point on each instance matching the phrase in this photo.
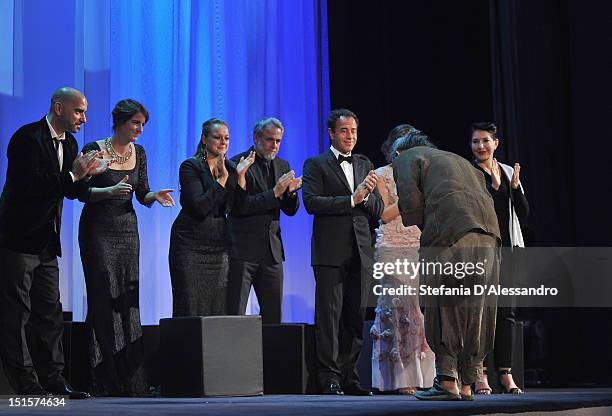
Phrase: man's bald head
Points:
(65, 94)
(67, 111)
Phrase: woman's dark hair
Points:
(397, 132)
(485, 126)
(412, 139)
(207, 127)
(125, 110)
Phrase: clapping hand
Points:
(220, 168)
(495, 175)
(365, 188)
(516, 182)
(99, 166)
(283, 183)
(164, 198)
(89, 164)
(294, 185)
(245, 163)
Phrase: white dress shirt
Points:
(61, 138)
(347, 168)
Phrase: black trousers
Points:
(29, 294)
(266, 277)
(504, 337)
(339, 319)
(506, 318)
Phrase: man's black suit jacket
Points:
(254, 221)
(35, 188)
(336, 225)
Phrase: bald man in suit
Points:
(44, 167)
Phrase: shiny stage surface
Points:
(563, 402)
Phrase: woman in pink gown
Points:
(401, 359)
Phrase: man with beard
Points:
(257, 248)
(43, 167)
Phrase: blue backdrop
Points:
(187, 61)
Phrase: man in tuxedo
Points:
(446, 197)
(339, 190)
(43, 167)
(257, 248)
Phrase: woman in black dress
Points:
(199, 242)
(109, 243)
(505, 187)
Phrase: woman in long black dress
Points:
(504, 185)
(199, 242)
(109, 243)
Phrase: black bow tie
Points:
(348, 159)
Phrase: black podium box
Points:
(289, 359)
(211, 356)
(518, 360)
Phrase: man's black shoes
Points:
(60, 388)
(332, 387)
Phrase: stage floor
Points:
(581, 402)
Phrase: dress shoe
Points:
(65, 389)
(332, 387)
(357, 390)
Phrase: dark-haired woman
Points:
(109, 243)
(199, 241)
(505, 187)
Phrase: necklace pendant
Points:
(114, 155)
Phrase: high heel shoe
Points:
(504, 390)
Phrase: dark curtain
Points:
(551, 67)
(531, 96)
(426, 63)
(551, 92)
